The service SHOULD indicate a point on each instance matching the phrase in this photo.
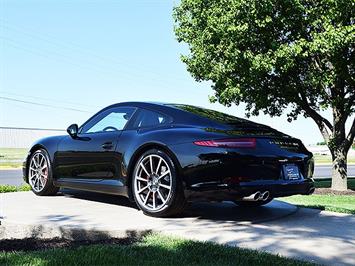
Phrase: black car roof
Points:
(179, 116)
(148, 105)
(182, 116)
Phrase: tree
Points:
(274, 55)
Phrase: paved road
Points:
(14, 177)
(11, 177)
(279, 228)
(325, 171)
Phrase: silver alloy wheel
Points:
(38, 172)
(153, 183)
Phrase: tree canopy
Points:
(273, 54)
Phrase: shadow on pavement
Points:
(70, 238)
(218, 211)
(98, 197)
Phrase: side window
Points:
(113, 119)
(148, 118)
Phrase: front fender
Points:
(50, 144)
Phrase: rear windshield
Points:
(239, 126)
(210, 114)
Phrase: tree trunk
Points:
(334, 134)
(339, 172)
(339, 150)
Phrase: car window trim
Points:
(136, 113)
(104, 110)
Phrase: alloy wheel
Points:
(153, 183)
(38, 172)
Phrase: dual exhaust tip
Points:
(258, 196)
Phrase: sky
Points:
(62, 61)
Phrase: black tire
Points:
(252, 204)
(175, 201)
(48, 189)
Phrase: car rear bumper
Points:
(220, 165)
(221, 192)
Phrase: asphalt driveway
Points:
(318, 236)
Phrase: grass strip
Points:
(11, 188)
(153, 249)
(335, 203)
(326, 183)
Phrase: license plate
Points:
(291, 172)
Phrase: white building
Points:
(12, 137)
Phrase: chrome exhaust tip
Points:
(253, 197)
(265, 196)
(257, 196)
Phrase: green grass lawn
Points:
(335, 203)
(326, 183)
(153, 249)
(12, 157)
(10, 188)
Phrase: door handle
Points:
(107, 145)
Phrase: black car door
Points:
(92, 154)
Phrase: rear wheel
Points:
(258, 203)
(156, 188)
(40, 174)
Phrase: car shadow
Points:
(98, 197)
(217, 211)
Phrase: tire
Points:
(252, 204)
(156, 188)
(40, 176)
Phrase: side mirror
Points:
(73, 130)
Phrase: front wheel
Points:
(40, 174)
(156, 188)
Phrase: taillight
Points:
(228, 143)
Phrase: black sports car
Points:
(164, 155)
